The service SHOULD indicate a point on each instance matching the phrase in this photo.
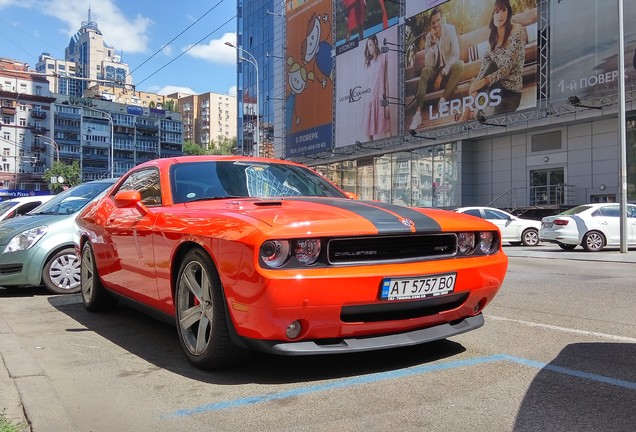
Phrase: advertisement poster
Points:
(584, 48)
(458, 67)
(361, 114)
(416, 6)
(309, 77)
(359, 19)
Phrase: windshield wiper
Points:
(213, 198)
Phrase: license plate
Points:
(417, 287)
(546, 224)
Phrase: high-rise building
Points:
(26, 146)
(80, 109)
(207, 117)
(357, 92)
(88, 62)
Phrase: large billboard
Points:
(584, 48)
(466, 57)
(367, 90)
(309, 77)
(359, 19)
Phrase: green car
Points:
(37, 248)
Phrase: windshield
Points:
(229, 179)
(575, 210)
(6, 206)
(72, 200)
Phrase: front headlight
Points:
(307, 251)
(487, 242)
(274, 253)
(26, 239)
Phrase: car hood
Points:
(339, 216)
(12, 227)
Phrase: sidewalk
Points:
(547, 250)
(25, 390)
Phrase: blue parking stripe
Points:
(401, 373)
(572, 372)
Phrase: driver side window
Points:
(146, 181)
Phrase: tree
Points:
(170, 105)
(152, 104)
(70, 173)
(190, 148)
(224, 147)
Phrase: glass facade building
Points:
(547, 129)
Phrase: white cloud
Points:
(169, 89)
(215, 51)
(232, 91)
(123, 33)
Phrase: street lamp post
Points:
(111, 166)
(252, 60)
(54, 145)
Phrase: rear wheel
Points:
(61, 274)
(94, 295)
(202, 322)
(593, 241)
(566, 246)
(530, 237)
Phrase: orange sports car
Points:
(261, 254)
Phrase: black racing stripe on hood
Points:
(422, 221)
(380, 215)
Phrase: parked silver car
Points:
(37, 249)
(514, 230)
(593, 226)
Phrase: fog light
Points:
(293, 330)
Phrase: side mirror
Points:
(130, 198)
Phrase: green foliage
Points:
(8, 426)
(190, 148)
(171, 105)
(223, 147)
(71, 173)
(152, 104)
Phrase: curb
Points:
(27, 395)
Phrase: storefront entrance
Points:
(547, 187)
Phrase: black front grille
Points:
(391, 248)
(389, 311)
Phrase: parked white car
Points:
(514, 230)
(18, 206)
(592, 226)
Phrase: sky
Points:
(197, 61)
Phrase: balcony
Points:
(39, 130)
(8, 110)
(40, 115)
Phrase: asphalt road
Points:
(556, 354)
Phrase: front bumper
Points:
(22, 268)
(370, 343)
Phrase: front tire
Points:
(202, 322)
(593, 241)
(94, 295)
(61, 274)
(530, 237)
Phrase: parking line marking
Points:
(401, 373)
(565, 329)
(354, 381)
(572, 372)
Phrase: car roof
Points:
(26, 199)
